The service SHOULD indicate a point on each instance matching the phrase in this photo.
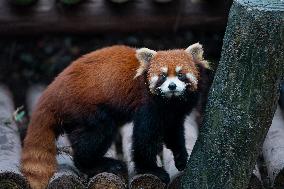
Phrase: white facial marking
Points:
(192, 78)
(178, 69)
(164, 69)
(180, 87)
(153, 82)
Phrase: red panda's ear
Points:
(196, 51)
(144, 56)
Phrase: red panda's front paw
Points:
(181, 161)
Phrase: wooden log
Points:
(105, 181)
(146, 181)
(137, 181)
(242, 99)
(108, 180)
(10, 145)
(97, 16)
(273, 150)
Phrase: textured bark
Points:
(242, 99)
(108, 180)
(273, 152)
(146, 181)
(10, 145)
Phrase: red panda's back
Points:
(103, 76)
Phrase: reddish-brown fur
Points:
(86, 82)
(105, 76)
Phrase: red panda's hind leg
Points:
(91, 138)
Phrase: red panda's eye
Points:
(163, 75)
(181, 76)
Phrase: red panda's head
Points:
(174, 72)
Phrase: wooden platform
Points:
(68, 176)
(97, 16)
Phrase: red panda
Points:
(105, 89)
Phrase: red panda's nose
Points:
(172, 86)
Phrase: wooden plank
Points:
(95, 16)
(10, 145)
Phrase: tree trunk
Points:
(10, 145)
(242, 99)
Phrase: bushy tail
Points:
(38, 160)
